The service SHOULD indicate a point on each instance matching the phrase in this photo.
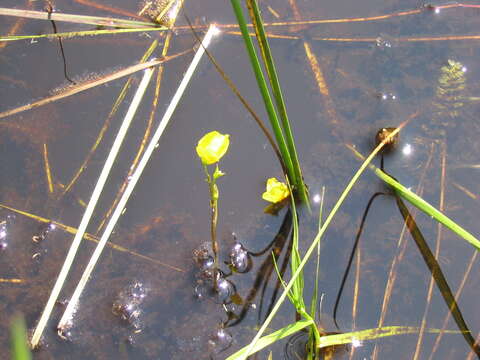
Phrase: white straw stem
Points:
(66, 320)
(89, 211)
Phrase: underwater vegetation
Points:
(332, 214)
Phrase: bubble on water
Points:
(220, 293)
(225, 289)
(5, 229)
(44, 232)
(385, 42)
(386, 96)
(204, 257)
(220, 341)
(128, 305)
(240, 259)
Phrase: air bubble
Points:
(128, 305)
(5, 226)
(220, 341)
(240, 259)
(221, 293)
(44, 232)
(203, 256)
(385, 42)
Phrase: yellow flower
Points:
(212, 146)
(276, 191)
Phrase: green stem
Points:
(279, 101)
(213, 223)
(264, 91)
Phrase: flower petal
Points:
(276, 191)
(212, 146)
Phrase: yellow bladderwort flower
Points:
(212, 146)
(276, 191)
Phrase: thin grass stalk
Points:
(422, 205)
(278, 96)
(272, 115)
(66, 320)
(312, 247)
(72, 34)
(89, 210)
(78, 19)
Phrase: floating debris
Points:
(163, 12)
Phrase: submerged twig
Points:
(90, 208)
(66, 320)
(90, 84)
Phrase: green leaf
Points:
(272, 338)
(371, 334)
(428, 209)
(19, 344)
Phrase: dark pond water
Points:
(402, 65)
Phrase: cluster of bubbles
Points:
(5, 226)
(44, 232)
(128, 304)
(213, 283)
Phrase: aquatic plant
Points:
(210, 149)
(276, 191)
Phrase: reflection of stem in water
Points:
(62, 52)
(441, 207)
(437, 275)
(400, 252)
(266, 268)
(352, 254)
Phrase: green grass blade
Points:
(278, 96)
(295, 258)
(19, 343)
(372, 334)
(262, 84)
(428, 209)
(422, 205)
(272, 338)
